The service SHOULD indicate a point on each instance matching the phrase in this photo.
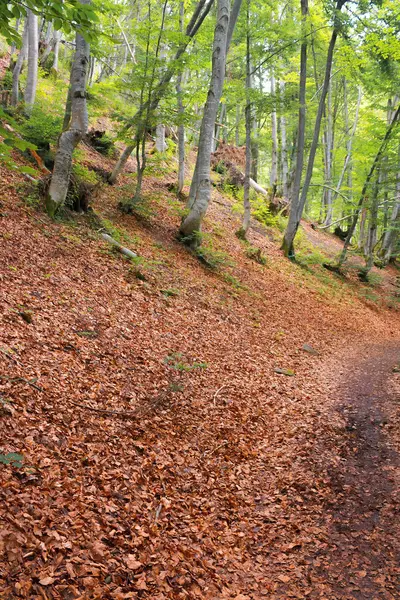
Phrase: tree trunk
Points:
(347, 160)
(161, 145)
(49, 42)
(291, 229)
(284, 154)
(274, 135)
(200, 189)
(33, 56)
(77, 128)
(373, 227)
(328, 160)
(237, 124)
(57, 41)
(201, 11)
(297, 207)
(390, 233)
(18, 66)
(181, 111)
(361, 201)
(246, 191)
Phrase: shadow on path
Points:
(361, 558)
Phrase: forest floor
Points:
(173, 431)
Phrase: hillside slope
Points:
(159, 453)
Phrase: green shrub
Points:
(6, 82)
(256, 254)
(42, 128)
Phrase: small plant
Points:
(170, 293)
(255, 254)
(213, 259)
(42, 128)
(12, 458)
(234, 281)
(176, 361)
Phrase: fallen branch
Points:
(217, 392)
(10, 356)
(121, 249)
(27, 381)
(209, 452)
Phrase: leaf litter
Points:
(226, 481)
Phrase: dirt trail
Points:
(364, 543)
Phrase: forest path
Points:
(361, 560)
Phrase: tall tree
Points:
(33, 57)
(200, 188)
(291, 230)
(77, 128)
(298, 203)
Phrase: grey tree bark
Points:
(33, 57)
(18, 66)
(201, 11)
(57, 41)
(78, 126)
(373, 227)
(200, 189)
(393, 224)
(274, 136)
(161, 144)
(181, 111)
(349, 146)
(328, 160)
(284, 153)
(297, 206)
(360, 205)
(246, 190)
(291, 230)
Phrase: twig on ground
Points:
(29, 382)
(209, 452)
(10, 356)
(217, 392)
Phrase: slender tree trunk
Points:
(57, 41)
(237, 124)
(181, 111)
(274, 135)
(291, 230)
(361, 201)
(13, 47)
(18, 66)
(78, 126)
(49, 42)
(297, 207)
(328, 161)
(201, 11)
(246, 191)
(349, 145)
(161, 145)
(33, 56)
(390, 233)
(219, 126)
(373, 226)
(284, 153)
(200, 189)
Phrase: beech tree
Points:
(77, 126)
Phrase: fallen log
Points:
(117, 246)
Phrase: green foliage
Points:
(6, 82)
(213, 259)
(255, 254)
(82, 173)
(42, 127)
(13, 459)
(178, 362)
(65, 15)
